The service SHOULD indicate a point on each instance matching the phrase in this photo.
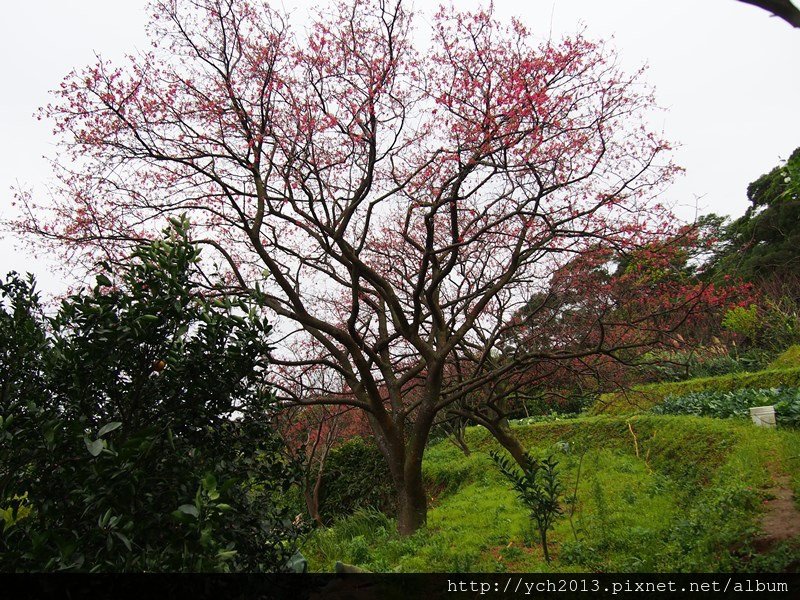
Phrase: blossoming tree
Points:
(397, 203)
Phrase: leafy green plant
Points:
(539, 488)
(23, 343)
(709, 361)
(773, 325)
(743, 320)
(133, 426)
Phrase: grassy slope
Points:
(788, 359)
(692, 495)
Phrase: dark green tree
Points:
(764, 244)
(135, 433)
(23, 342)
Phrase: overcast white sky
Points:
(726, 73)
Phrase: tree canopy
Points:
(764, 243)
(395, 207)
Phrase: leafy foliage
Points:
(773, 325)
(680, 365)
(135, 432)
(765, 242)
(23, 340)
(742, 320)
(539, 488)
(735, 403)
(356, 476)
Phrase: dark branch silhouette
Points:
(780, 8)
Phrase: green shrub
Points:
(644, 397)
(713, 366)
(712, 361)
(132, 427)
(744, 321)
(356, 476)
(542, 403)
(771, 326)
(736, 403)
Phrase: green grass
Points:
(789, 359)
(644, 397)
(689, 501)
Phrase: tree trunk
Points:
(543, 535)
(405, 467)
(412, 508)
(412, 502)
(461, 444)
(457, 437)
(312, 499)
(403, 449)
(501, 431)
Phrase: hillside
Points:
(655, 493)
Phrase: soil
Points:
(781, 520)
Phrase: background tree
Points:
(763, 245)
(133, 437)
(403, 205)
(648, 298)
(309, 435)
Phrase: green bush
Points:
(543, 403)
(774, 325)
(132, 429)
(356, 476)
(736, 403)
(644, 397)
(744, 321)
(712, 366)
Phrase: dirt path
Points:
(781, 520)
